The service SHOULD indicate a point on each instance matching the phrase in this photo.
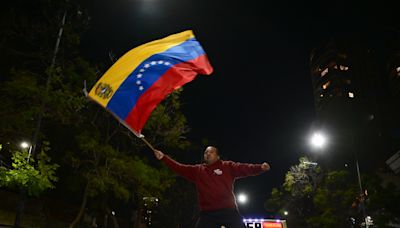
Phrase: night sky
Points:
(258, 104)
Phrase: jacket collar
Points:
(215, 164)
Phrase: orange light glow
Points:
(272, 225)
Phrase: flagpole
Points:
(147, 143)
(140, 136)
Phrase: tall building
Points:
(357, 100)
(334, 85)
(332, 77)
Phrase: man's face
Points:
(211, 155)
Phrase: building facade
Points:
(356, 91)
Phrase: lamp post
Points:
(319, 140)
(362, 202)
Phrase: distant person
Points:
(214, 183)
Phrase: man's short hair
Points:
(216, 149)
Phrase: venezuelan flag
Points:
(145, 75)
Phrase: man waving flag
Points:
(145, 75)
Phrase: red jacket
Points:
(214, 182)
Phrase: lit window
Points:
(335, 67)
(326, 85)
(323, 73)
(351, 94)
(343, 67)
(398, 69)
(321, 95)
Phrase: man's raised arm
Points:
(244, 169)
(187, 171)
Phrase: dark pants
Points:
(229, 218)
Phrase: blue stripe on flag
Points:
(148, 72)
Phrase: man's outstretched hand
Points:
(265, 166)
(159, 155)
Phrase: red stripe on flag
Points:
(174, 78)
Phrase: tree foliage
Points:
(108, 170)
(102, 163)
(33, 175)
(301, 180)
(318, 198)
(333, 200)
(113, 162)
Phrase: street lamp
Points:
(318, 140)
(242, 198)
(285, 213)
(24, 145)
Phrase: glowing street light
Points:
(286, 213)
(318, 140)
(242, 198)
(24, 145)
